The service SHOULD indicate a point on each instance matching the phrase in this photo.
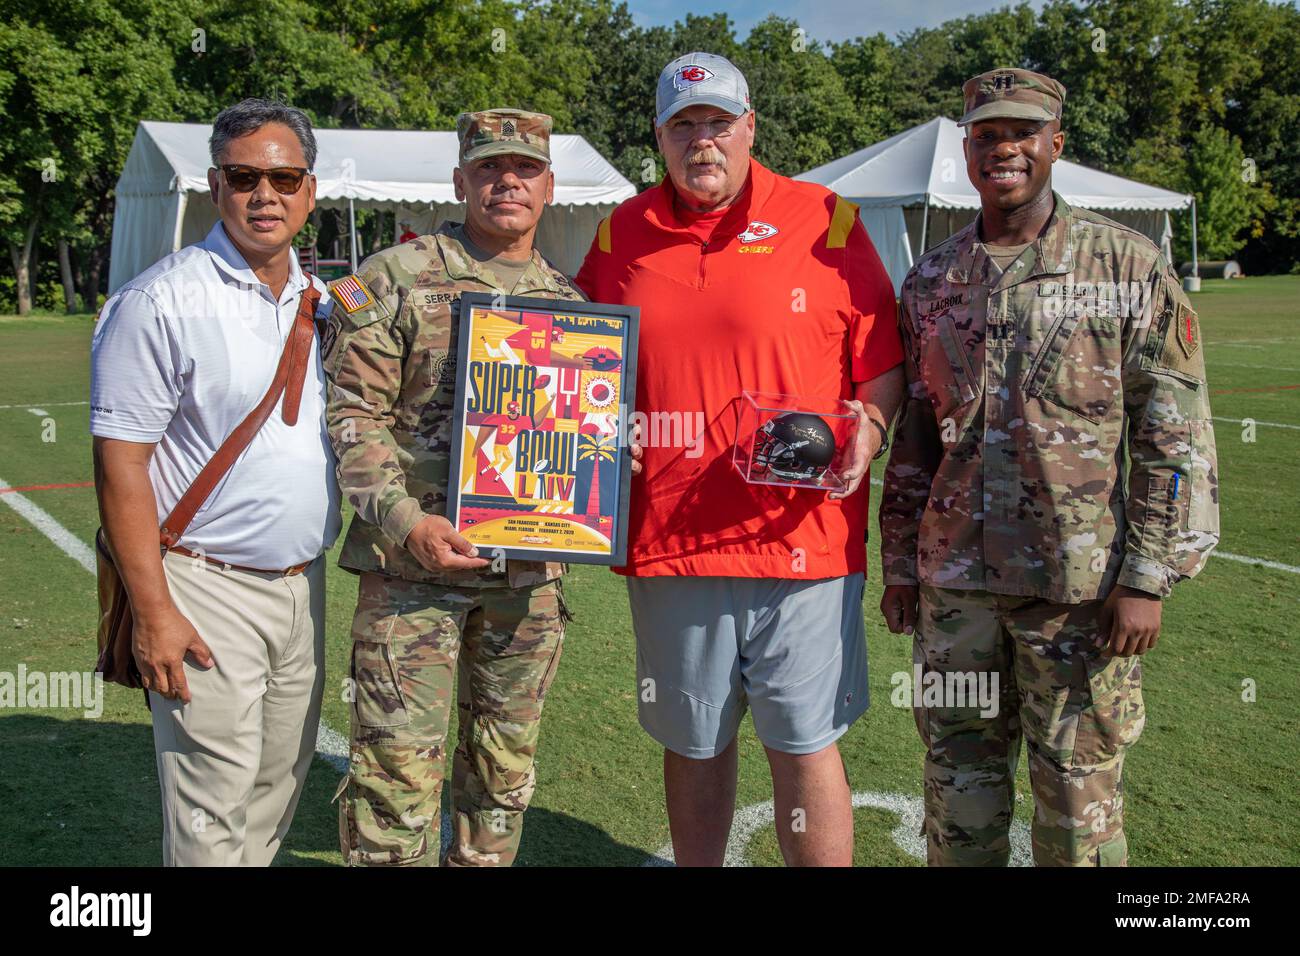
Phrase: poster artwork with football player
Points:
(540, 469)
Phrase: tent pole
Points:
(1196, 271)
(352, 232)
(925, 222)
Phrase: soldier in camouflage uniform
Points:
(1053, 474)
(428, 604)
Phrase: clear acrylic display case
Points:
(779, 440)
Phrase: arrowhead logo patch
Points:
(689, 74)
(758, 230)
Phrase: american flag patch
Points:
(351, 294)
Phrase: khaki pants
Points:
(233, 761)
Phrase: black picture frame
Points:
(464, 509)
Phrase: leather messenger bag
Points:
(116, 657)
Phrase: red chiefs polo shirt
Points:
(787, 294)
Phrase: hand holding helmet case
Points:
(792, 440)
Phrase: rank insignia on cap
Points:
(351, 293)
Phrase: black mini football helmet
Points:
(794, 446)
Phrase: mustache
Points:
(709, 155)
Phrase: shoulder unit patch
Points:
(1189, 331)
(1180, 342)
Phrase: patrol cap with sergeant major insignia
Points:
(500, 131)
(1017, 94)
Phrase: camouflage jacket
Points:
(1055, 437)
(391, 369)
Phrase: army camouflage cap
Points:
(1019, 94)
(501, 131)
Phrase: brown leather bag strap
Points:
(289, 376)
(299, 359)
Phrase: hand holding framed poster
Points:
(540, 467)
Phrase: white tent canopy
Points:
(162, 202)
(913, 192)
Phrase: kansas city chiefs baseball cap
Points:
(700, 78)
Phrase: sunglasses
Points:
(286, 180)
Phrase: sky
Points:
(823, 19)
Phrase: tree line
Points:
(1200, 96)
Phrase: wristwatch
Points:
(884, 438)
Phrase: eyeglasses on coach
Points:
(715, 127)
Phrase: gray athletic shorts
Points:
(794, 652)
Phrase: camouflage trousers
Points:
(1078, 708)
(409, 640)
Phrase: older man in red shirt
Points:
(746, 596)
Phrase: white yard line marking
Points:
(38, 412)
(748, 821)
(331, 746)
(28, 405)
(41, 520)
(1244, 559)
(1275, 565)
(1252, 343)
(1266, 368)
(1242, 421)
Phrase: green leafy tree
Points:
(1249, 59)
(805, 115)
(319, 57)
(1229, 207)
(78, 75)
(867, 67)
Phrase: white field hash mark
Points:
(29, 406)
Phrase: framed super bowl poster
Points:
(540, 464)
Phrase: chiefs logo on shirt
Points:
(757, 230)
(689, 74)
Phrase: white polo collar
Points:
(230, 261)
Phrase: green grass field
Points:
(1212, 781)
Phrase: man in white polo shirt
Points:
(229, 624)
